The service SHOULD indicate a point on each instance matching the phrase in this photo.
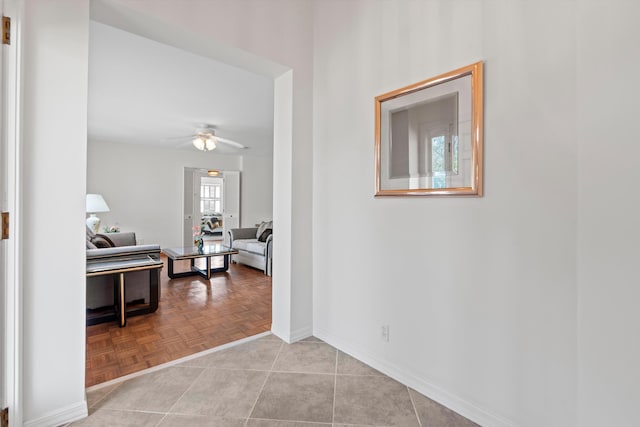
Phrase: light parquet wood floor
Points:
(194, 314)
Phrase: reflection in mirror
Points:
(424, 140)
(428, 136)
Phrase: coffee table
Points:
(192, 253)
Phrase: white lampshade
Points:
(95, 203)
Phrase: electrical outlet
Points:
(385, 333)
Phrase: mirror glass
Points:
(428, 137)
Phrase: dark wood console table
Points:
(117, 268)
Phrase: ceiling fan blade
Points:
(178, 138)
(207, 131)
(230, 142)
(184, 143)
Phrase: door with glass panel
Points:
(211, 204)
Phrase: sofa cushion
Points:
(250, 245)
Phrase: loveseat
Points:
(139, 284)
(254, 246)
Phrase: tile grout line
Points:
(275, 371)
(188, 388)
(246, 422)
(140, 411)
(311, 423)
(103, 397)
(276, 359)
(162, 419)
(335, 386)
(415, 410)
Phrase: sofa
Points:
(139, 284)
(254, 246)
(211, 224)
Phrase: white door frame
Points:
(231, 197)
(11, 300)
(198, 174)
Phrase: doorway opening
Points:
(211, 204)
(182, 323)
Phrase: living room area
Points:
(159, 185)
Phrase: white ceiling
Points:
(142, 92)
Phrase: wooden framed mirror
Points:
(429, 136)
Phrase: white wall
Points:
(479, 293)
(256, 190)
(608, 206)
(144, 188)
(53, 162)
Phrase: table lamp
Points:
(95, 204)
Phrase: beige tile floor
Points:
(266, 383)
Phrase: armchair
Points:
(255, 250)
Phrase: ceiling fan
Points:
(205, 139)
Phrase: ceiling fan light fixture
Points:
(204, 143)
(199, 143)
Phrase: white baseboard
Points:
(302, 333)
(293, 336)
(61, 416)
(432, 391)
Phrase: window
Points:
(210, 198)
(439, 178)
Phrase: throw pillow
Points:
(90, 245)
(102, 241)
(265, 234)
(261, 228)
